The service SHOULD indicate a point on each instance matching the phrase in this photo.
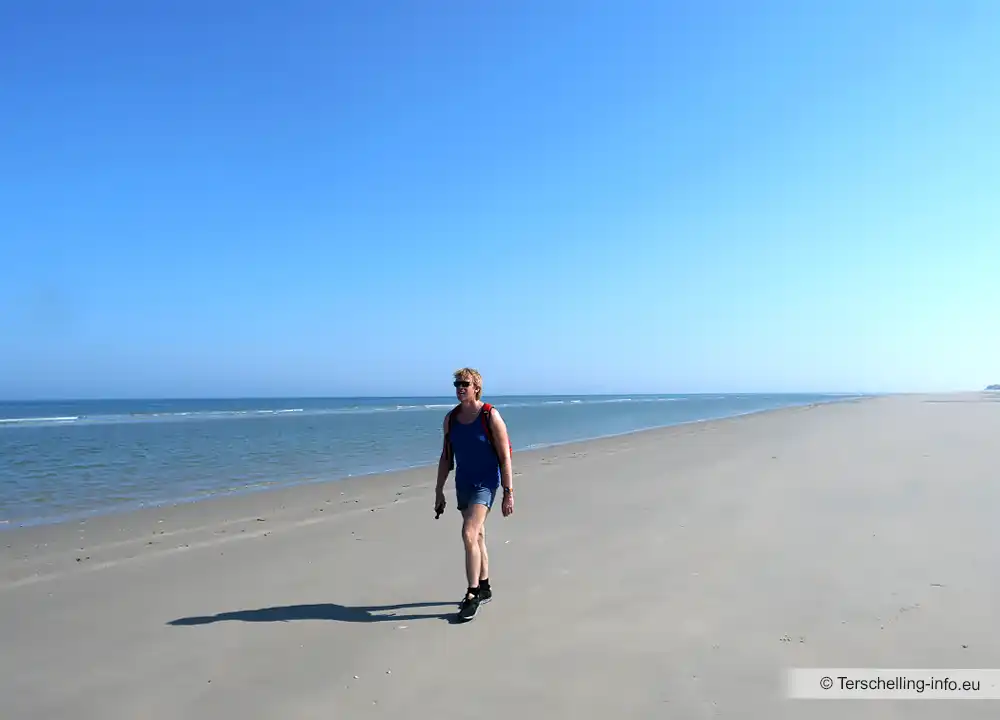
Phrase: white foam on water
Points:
(68, 418)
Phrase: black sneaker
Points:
(468, 607)
(485, 595)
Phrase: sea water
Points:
(66, 460)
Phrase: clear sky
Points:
(355, 197)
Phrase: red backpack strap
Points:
(484, 417)
(448, 418)
(447, 450)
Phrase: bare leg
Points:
(484, 560)
(474, 517)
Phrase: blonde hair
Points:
(473, 376)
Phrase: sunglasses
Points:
(462, 383)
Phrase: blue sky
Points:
(316, 198)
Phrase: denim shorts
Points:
(467, 496)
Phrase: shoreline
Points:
(7, 526)
(40, 552)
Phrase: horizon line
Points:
(152, 398)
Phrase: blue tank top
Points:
(476, 464)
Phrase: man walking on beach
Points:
(476, 437)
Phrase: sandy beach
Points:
(671, 573)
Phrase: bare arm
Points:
(503, 448)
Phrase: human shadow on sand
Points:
(327, 611)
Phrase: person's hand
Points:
(508, 503)
(439, 504)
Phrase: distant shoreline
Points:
(450, 397)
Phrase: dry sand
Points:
(672, 573)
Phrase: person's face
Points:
(464, 389)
